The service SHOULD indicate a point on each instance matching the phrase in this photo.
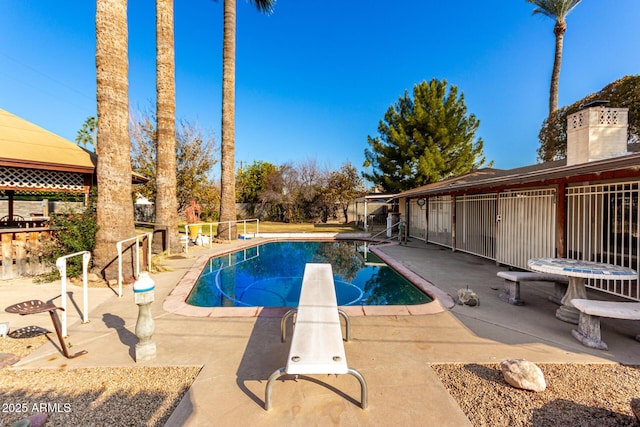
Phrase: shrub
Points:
(72, 232)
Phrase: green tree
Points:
(557, 10)
(252, 180)
(87, 134)
(343, 187)
(71, 232)
(196, 157)
(424, 139)
(623, 93)
(195, 160)
(275, 198)
(114, 207)
(227, 181)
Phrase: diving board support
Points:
(316, 344)
(293, 311)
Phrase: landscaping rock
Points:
(7, 359)
(93, 277)
(37, 420)
(523, 374)
(468, 297)
(635, 407)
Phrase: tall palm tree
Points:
(166, 187)
(114, 205)
(227, 180)
(558, 10)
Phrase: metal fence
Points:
(476, 224)
(602, 225)
(440, 220)
(526, 226)
(417, 219)
(513, 226)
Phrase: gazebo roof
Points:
(26, 145)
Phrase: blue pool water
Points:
(270, 275)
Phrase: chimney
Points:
(596, 132)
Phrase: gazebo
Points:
(36, 161)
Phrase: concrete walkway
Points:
(392, 352)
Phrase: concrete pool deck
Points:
(393, 352)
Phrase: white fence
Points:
(526, 226)
(418, 219)
(476, 224)
(514, 226)
(440, 220)
(509, 227)
(210, 225)
(602, 225)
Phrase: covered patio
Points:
(34, 164)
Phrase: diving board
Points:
(316, 343)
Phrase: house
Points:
(582, 207)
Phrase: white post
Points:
(143, 292)
(119, 248)
(366, 224)
(149, 237)
(85, 285)
(61, 263)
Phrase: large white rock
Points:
(523, 374)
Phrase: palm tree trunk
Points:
(114, 202)
(227, 181)
(559, 31)
(166, 187)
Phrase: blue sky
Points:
(315, 78)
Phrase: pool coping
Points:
(176, 303)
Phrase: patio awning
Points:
(26, 145)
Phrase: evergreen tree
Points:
(424, 139)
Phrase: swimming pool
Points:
(270, 275)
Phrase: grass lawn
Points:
(281, 227)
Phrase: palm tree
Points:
(114, 209)
(87, 134)
(166, 188)
(558, 10)
(227, 180)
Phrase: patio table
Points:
(577, 271)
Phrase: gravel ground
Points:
(138, 396)
(595, 395)
(576, 395)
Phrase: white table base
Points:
(576, 289)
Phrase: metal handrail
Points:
(391, 227)
(158, 226)
(211, 224)
(119, 248)
(61, 264)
